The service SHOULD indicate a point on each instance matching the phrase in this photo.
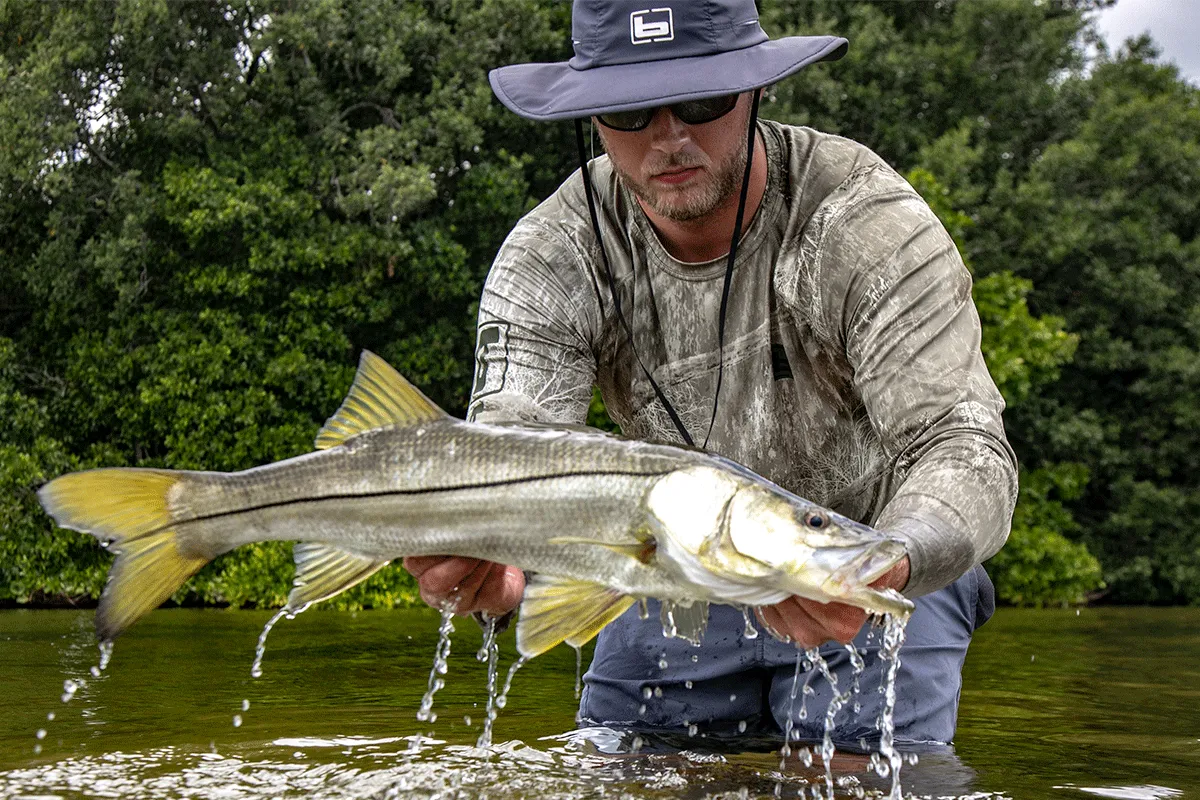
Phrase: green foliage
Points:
(199, 240)
(196, 241)
(1039, 565)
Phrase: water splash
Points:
(440, 665)
(70, 687)
(106, 649)
(889, 651)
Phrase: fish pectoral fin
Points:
(379, 396)
(564, 610)
(323, 571)
(642, 551)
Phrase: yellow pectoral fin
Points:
(640, 551)
(560, 609)
(323, 571)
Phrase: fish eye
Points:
(815, 519)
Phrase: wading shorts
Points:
(735, 679)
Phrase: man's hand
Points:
(811, 624)
(476, 585)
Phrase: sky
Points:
(1173, 24)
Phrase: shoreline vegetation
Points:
(208, 210)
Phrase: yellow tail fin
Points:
(129, 511)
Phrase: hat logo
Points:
(651, 25)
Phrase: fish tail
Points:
(130, 512)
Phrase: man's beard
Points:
(692, 202)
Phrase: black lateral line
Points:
(396, 492)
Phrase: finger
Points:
(793, 620)
(418, 565)
(438, 582)
(836, 621)
(501, 592)
(465, 594)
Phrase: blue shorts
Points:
(732, 679)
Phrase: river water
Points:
(1056, 704)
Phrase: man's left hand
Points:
(809, 623)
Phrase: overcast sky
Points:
(1174, 25)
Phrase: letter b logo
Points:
(651, 25)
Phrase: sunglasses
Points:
(690, 112)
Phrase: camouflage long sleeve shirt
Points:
(853, 374)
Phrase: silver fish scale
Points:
(450, 488)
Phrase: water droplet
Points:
(695, 659)
(467, 719)
(732, 697)
(662, 661)
(50, 716)
(37, 749)
(1077, 612)
(237, 720)
(70, 687)
(692, 729)
(41, 733)
(658, 691)
(646, 692)
(95, 671)
(688, 684)
(636, 744)
(245, 705)
(642, 710)
(742, 726)
(1031, 658)
(750, 632)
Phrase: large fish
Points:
(602, 521)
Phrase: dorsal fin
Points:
(379, 397)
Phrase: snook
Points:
(602, 521)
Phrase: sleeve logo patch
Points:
(491, 359)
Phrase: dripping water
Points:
(502, 700)
(261, 649)
(750, 632)
(489, 652)
(440, 665)
(889, 651)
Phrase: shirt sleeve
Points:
(533, 357)
(912, 337)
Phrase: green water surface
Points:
(1056, 704)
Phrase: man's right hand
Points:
(476, 585)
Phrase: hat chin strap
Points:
(733, 246)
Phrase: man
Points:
(832, 347)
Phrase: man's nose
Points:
(668, 133)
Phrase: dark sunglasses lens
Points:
(628, 120)
(698, 112)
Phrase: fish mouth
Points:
(868, 566)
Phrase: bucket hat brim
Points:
(556, 91)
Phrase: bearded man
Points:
(777, 295)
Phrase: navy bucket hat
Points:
(633, 54)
